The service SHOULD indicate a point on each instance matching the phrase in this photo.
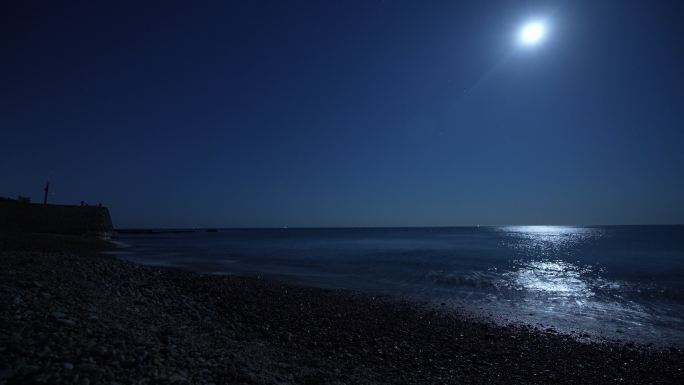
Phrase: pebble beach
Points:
(71, 314)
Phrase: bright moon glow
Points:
(532, 33)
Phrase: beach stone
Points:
(175, 378)
(67, 322)
(6, 373)
(58, 314)
(313, 379)
(100, 350)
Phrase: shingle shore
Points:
(70, 315)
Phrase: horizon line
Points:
(391, 227)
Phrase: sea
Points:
(610, 282)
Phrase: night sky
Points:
(327, 113)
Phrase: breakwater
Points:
(17, 216)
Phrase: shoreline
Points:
(450, 289)
(470, 313)
(72, 314)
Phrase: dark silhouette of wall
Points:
(16, 216)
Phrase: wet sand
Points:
(72, 315)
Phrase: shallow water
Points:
(622, 282)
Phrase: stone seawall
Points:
(18, 216)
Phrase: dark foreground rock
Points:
(69, 315)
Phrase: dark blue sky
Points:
(368, 113)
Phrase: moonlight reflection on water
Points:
(545, 274)
(548, 277)
(557, 278)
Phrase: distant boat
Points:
(212, 231)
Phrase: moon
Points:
(532, 33)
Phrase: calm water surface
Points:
(622, 282)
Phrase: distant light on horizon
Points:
(532, 33)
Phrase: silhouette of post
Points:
(47, 188)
